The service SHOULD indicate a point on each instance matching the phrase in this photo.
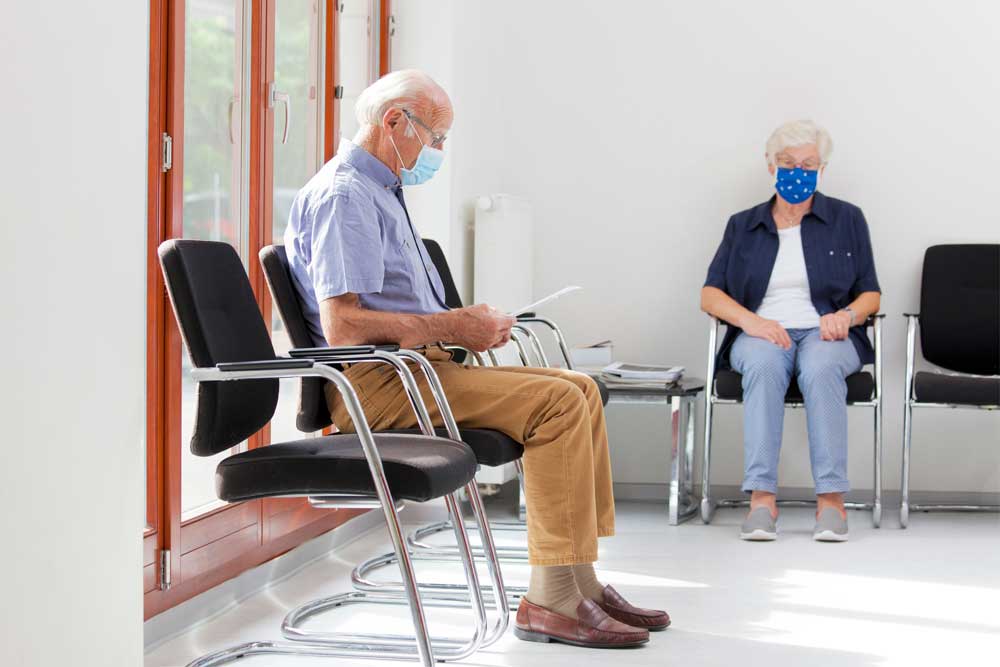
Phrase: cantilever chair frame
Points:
(256, 361)
(709, 505)
(426, 650)
(441, 594)
(909, 403)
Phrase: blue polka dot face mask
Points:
(795, 185)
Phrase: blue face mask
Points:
(428, 162)
(795, 185)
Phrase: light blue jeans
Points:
(821, 368)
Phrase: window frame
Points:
(218, 545)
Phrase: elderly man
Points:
(364, 277)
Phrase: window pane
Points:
(357, 61)
(298, 61)
(214, 192)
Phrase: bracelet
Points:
(850, 311)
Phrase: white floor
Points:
(929, 595)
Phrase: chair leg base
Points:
(291, 626)
(707, 510)
(440, 591)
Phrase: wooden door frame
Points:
(237, 537)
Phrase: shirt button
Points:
(831, 252)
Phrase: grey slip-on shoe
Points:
(830, 526)
(759, 526)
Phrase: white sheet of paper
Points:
(531, 307)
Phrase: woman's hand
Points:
(834, 326)
(770, 330)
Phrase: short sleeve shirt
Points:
(349, 232)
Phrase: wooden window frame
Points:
(219, 545)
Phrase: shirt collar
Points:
(366, 163)
(762, 212)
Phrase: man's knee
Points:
(566, 393)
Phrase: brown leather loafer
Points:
(594, 628)
(619, 609)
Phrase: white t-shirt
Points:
(787, 299)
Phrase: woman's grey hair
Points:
(402, 90)
(799, 133)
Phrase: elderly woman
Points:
(795, 279)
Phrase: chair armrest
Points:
(321, 366)
(911, 314)
(264, 365)
(556, 333)
(317, 352)
(280, 368)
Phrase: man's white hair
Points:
(799, 133)
(401, 89)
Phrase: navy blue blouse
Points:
(838, 254)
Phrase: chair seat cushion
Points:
(492, 448)
(418, 468)
(729, 386)
(956, 389)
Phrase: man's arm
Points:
(346, 322)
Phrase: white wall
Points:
(73, 221)
(638, 128)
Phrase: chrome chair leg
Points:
(707, 504)
(877, 499)
(445, 649)
(911, 339)
(904, 504)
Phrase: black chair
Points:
(237, 374)
(959, 332)
(864, 389)
(491, 448)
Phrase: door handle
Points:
(232, 103)
(286, 101)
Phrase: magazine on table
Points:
(626, 373)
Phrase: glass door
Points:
(215, 198)
(297, 144)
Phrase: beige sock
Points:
(586, 581)
(554, 587)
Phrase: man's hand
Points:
(834, 326)
(770, 330)
(480, 327)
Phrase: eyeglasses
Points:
(436, 139)
(788, 162)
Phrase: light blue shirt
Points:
(349, 231)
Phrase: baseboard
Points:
(215, 601)
(890, 498)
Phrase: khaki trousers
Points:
(556, 414)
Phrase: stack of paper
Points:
(623, 373)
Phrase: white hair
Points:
(401, 89)
(799, 133)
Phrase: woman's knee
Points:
(818, 367)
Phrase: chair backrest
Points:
(220, 322)
(313, 412)
(451, 296)
(960, 308)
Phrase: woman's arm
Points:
(835, 326)
(717, 303)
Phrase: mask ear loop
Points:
(393, 141)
